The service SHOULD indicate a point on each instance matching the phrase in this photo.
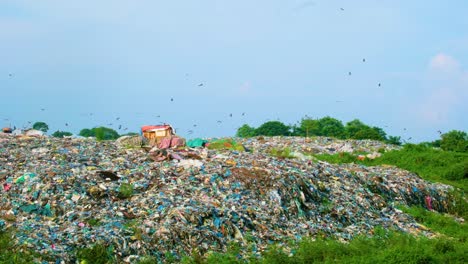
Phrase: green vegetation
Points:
(11, 253)
(100, 133)
(331, 127)
(245, 131)
(455, 141)
(394, 140)
(358, 130)
(225, 144)
(130, 134)
(326, 126)
(284, 153)
(41, 126)
(437, 222)
(125, 191)
(93, 222)
(384, 247)
(273, 128)
(61, 134)
(96, 254)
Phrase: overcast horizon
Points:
(399, 65)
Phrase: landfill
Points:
(61, 195)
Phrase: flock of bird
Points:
(191, 131)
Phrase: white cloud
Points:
(447, 89)
(444, 64)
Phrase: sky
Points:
(86, 63)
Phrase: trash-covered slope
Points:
(64, 194)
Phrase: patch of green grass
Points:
(439, 223)
(11, 253)
(147, 260)
(227, 143)
(232, 255)
(93, 222)
(96, 254)
(125, 191)
(384, 247)
(343, 157)
(284, 153)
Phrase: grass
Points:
(125, 191)
(283, 153)
(11, 253)
(227, 143)
(96, 254)
(437, 222)
(385, 247)
(93, 222)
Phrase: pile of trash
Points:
(317, 145)
(61, 195)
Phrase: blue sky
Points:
(268, 58)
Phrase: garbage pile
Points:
(64, 194)
(317, 145)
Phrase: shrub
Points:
(41, 126)
(455, 141)
(96, 254)
(273, 128)
(356, 129)
(394, 140)
(225, 144)
(10, 253)
(61, 134)
(284, 153)
(101, 133)
(125, 191)
(457, 171)
(245, 131)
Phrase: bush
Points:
(331, 127)
(394, 140)
(41, 126)
(97, 254)
(225, 144)
(61, 134)
(245, 131)
(356, 129)
(457, 171)
(101, 133)
(308, 127)
(125, 191)
(326, 126)
(272, 128)
(11, 253)
(437, 222)
(455, 141)
(87, 133)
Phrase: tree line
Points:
(327, 126)
(355, 129)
